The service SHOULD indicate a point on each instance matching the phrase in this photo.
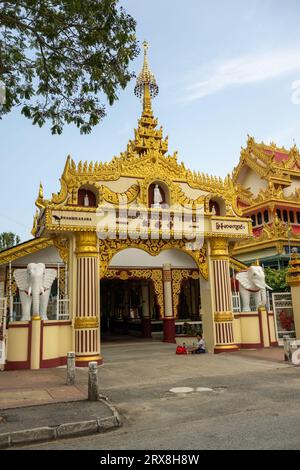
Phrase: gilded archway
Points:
(154, 275)
(108, 248)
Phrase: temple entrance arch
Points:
(108, 248)
(156, 278)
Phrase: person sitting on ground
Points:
(200, 346)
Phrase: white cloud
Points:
(242, 71)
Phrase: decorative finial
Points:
(40, 199)
(146, 47)
(146, 85)
(41, 191)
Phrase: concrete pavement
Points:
(253, 404)
(37, 387)
(39, 406)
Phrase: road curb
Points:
(63, 430)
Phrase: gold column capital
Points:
(87, 244)
(219, 247)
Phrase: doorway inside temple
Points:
(189, 307)
(122, 308)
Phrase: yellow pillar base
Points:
(84, 360)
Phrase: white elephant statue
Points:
(252, 283)
(34, 285)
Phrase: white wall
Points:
(133, 257)
(49, 255)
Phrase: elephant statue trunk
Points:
(252, 283)
(36, 292)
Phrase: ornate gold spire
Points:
(146, 85)
(147, 137)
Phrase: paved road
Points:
(254, 404)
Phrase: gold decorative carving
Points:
(271, 192)
(154, 275)
(35, 223)
(87, 244)
(126, 197)
(25, 249)
(219, 247)
(262, 159)
(11, 287)
(124, 276)
(62, 244)
(144, 160)
(82, 323)
(293, 274)
(178, 275)
(40, 201)
(108, 248)
(181, 198)
(277, 233)
(221, 317)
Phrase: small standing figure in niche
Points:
(213, 210)
(157, 197)
(86, 201)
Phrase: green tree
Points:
(8, 239)
(276, 278)
(59, 57)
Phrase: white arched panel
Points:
(135, 258)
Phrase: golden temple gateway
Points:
(144, 246)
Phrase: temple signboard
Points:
(231, 227)
(107, 219)
(71, 219)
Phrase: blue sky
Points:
(225, 69)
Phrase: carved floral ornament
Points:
(154, 275)
(262, 159)
(293, 274)
(149, 167)
(179, 275)
(275, 193)
(34, 246)
(108, 248)
(278, 230)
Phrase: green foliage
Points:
(276, 278)
(8, 239)
(58, 56)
